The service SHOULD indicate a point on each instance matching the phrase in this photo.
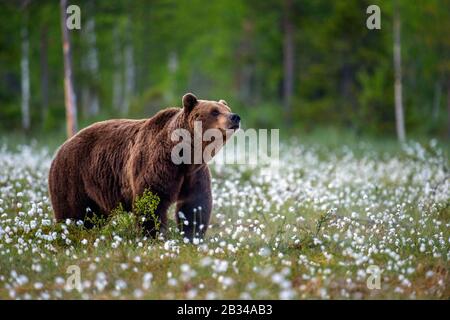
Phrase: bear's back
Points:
(112, 141)
(107, 135)
(159, 121)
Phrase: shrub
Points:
(145, 207)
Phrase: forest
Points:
(287, 64)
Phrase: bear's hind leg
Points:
(157, 223)
(77, 208)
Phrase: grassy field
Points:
(310, 228)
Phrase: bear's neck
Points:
(179, 121)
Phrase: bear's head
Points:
(211, 114)
(211, 122)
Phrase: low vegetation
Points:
(314, 226)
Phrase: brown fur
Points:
(114, 161)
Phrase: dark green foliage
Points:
(145, 207)
(234, 50)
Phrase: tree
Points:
(399, 117)
(288, 56)
(117, 90)
(43, 58)
(448, 108)
(129, 68)
(90, 63)
(69, 93)
(25, 69)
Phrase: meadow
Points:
(315, 226)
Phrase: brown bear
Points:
(113, 162)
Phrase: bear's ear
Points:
(223, 102)
(189, 102)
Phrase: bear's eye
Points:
(215, 113)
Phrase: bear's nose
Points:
(235, 117)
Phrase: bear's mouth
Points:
(230, 129)
(228, 132)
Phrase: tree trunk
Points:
(91, 101)
(448, 109)
(25, 77)
(436, 100)
(117, 75)
(399, 116)
(44, 71)
(69, 93)
(288, 56)
(129, 69)
(244, 74)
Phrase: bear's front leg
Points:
(156, 223)
(194, 204)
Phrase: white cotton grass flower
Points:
(374, 209)
(147, 280)
(220, 266)
(38, 285)
(138, 293)
(120, 285)
(181, 215)
(100, 281)
(172, 282)
(264, 252)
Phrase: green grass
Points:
(310, 229)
